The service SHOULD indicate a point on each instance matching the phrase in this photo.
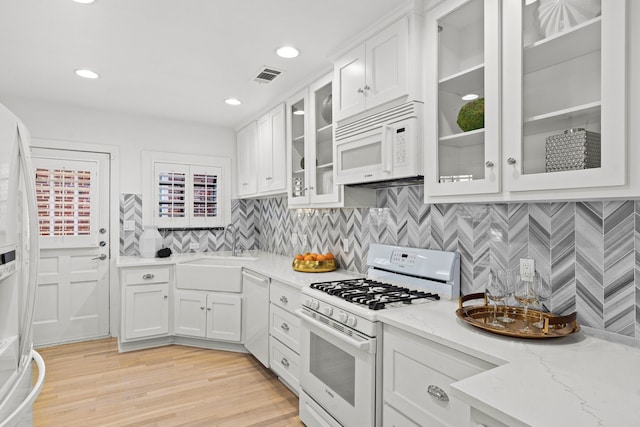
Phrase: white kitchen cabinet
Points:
(212, 315)
(256, 315)
(285, 333)
(247, 160)
(272, 171)
(310, 146)
(555, 81)
(417, 374)
(463, 50)
(145, 300)
(373, 73)
(185, 190)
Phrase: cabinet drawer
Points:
(143, 276)
(417, 377)
(393, 418)
(284, 296)
(285, 363)
(285, 327)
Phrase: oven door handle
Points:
(363, 346)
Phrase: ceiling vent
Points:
(266, 75)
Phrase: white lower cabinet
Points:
(480, 419)
(256, 315)
(417, 374)
(284, 327)
(145, 299)
(211, 315)
(393, 418)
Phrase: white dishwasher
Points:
(256, 315)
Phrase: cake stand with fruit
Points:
(314, 263)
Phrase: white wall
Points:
(132, 133)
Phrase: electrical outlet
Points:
(129, 226)
(527, 269)
(345, 245)
(294, 239)
(304, 239)
(194, 245)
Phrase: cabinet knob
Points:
(166, 296)
(201, 308)
(285, 327)
(489, 164)
(438, 393)
(148, 276)
(209, 308)
(360, 90)
(284, 362)
(511, 161)
(284, 299)
(366, 87)
(311, 188)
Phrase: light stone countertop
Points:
(579, 380)
(275, 266)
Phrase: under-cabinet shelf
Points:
(577, 41)
(325, 165)
(298, 138)
(464, 82)
(562, 118)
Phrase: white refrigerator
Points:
(19, 254)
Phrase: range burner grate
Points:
(372, 294)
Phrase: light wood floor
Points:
(91, 384)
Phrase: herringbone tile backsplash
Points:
(589, 251)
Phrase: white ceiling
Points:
(177, 59)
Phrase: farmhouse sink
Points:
(213, 273)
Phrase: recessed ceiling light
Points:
(469, 97)
(233, 101)
(287, 52)
(87, 74)
(84, 1)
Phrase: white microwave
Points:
(382, 147)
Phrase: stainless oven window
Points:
(334, 367)
(361, 156)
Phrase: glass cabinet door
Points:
(321, 173)
(298, 185)
(463, 95)
(564, 94)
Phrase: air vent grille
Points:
(266, 75)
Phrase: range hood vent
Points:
(398, 182)
(266, 74)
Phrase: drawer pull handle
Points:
(285, 362)
(148, 276)
(285, 327)
(438, 393)
(284, 299)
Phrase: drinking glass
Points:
(525, 295)
(510, 284)
(496, 291)
(542, 289)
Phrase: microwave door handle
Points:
(387, 149)
(364, 346)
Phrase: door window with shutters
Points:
(65, 195)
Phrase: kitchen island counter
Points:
(585, 379)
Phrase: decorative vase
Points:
(471, 115)
(150, 242)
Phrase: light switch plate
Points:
(304, 239)
(527, 269)
(194, 245)
(345, 245)
(294, 239)
(129, 226)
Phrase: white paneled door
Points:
(72, 300)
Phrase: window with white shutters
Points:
(64, 202)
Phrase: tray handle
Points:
(469, 297)
(559, 320)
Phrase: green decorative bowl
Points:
(471, 115)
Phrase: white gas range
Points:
(341, 336)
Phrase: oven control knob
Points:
(342, 317)
(328, 311)
(351, 321)
(313, 305)
(307, 302)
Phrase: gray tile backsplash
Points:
(589, 251)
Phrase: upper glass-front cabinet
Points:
(564, 83)
(463, 96)
(310, 143)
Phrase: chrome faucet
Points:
(233, 237)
